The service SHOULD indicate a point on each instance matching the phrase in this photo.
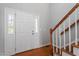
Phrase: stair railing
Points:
(55, 34)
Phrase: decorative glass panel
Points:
(10, 24)
(36, 23)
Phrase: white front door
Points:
(25, 30)
(9, 28)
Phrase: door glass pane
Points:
(36, 24)
(10, 24)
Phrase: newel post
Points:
(51, 47)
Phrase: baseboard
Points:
(42, 45)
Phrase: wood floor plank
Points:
(44, 51)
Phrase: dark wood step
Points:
(77, 46)
(57, 54)
(70, 53)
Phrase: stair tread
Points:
(77, 46)
(68, 52)
(56, 54)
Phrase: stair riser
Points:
(65, 54)
(76, 51)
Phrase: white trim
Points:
(41, 45)
(76, 51)
(60, 38)
(53, 42)
(76, 28)
(64, 36)
(69, 35)
(56, 41)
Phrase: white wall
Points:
(39, 9)
(58, 10)
(1, 32)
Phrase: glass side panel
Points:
(10, 24)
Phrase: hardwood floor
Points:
(44, 51)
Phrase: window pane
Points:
(10, 24)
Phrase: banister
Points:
(61, 21)
(66, 16)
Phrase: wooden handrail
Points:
(66, 16)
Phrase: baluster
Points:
(69, 35)
(56, 41)
(64, 36)
(60, 37)
(53, 43)
(76, 28)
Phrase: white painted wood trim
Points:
(76, 28)
(76, 51)
(53, 42)
(64, 36)
(56, 41)
(60, 38)
(69, 35)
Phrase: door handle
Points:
(32, 32)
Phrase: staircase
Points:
(64, 37)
